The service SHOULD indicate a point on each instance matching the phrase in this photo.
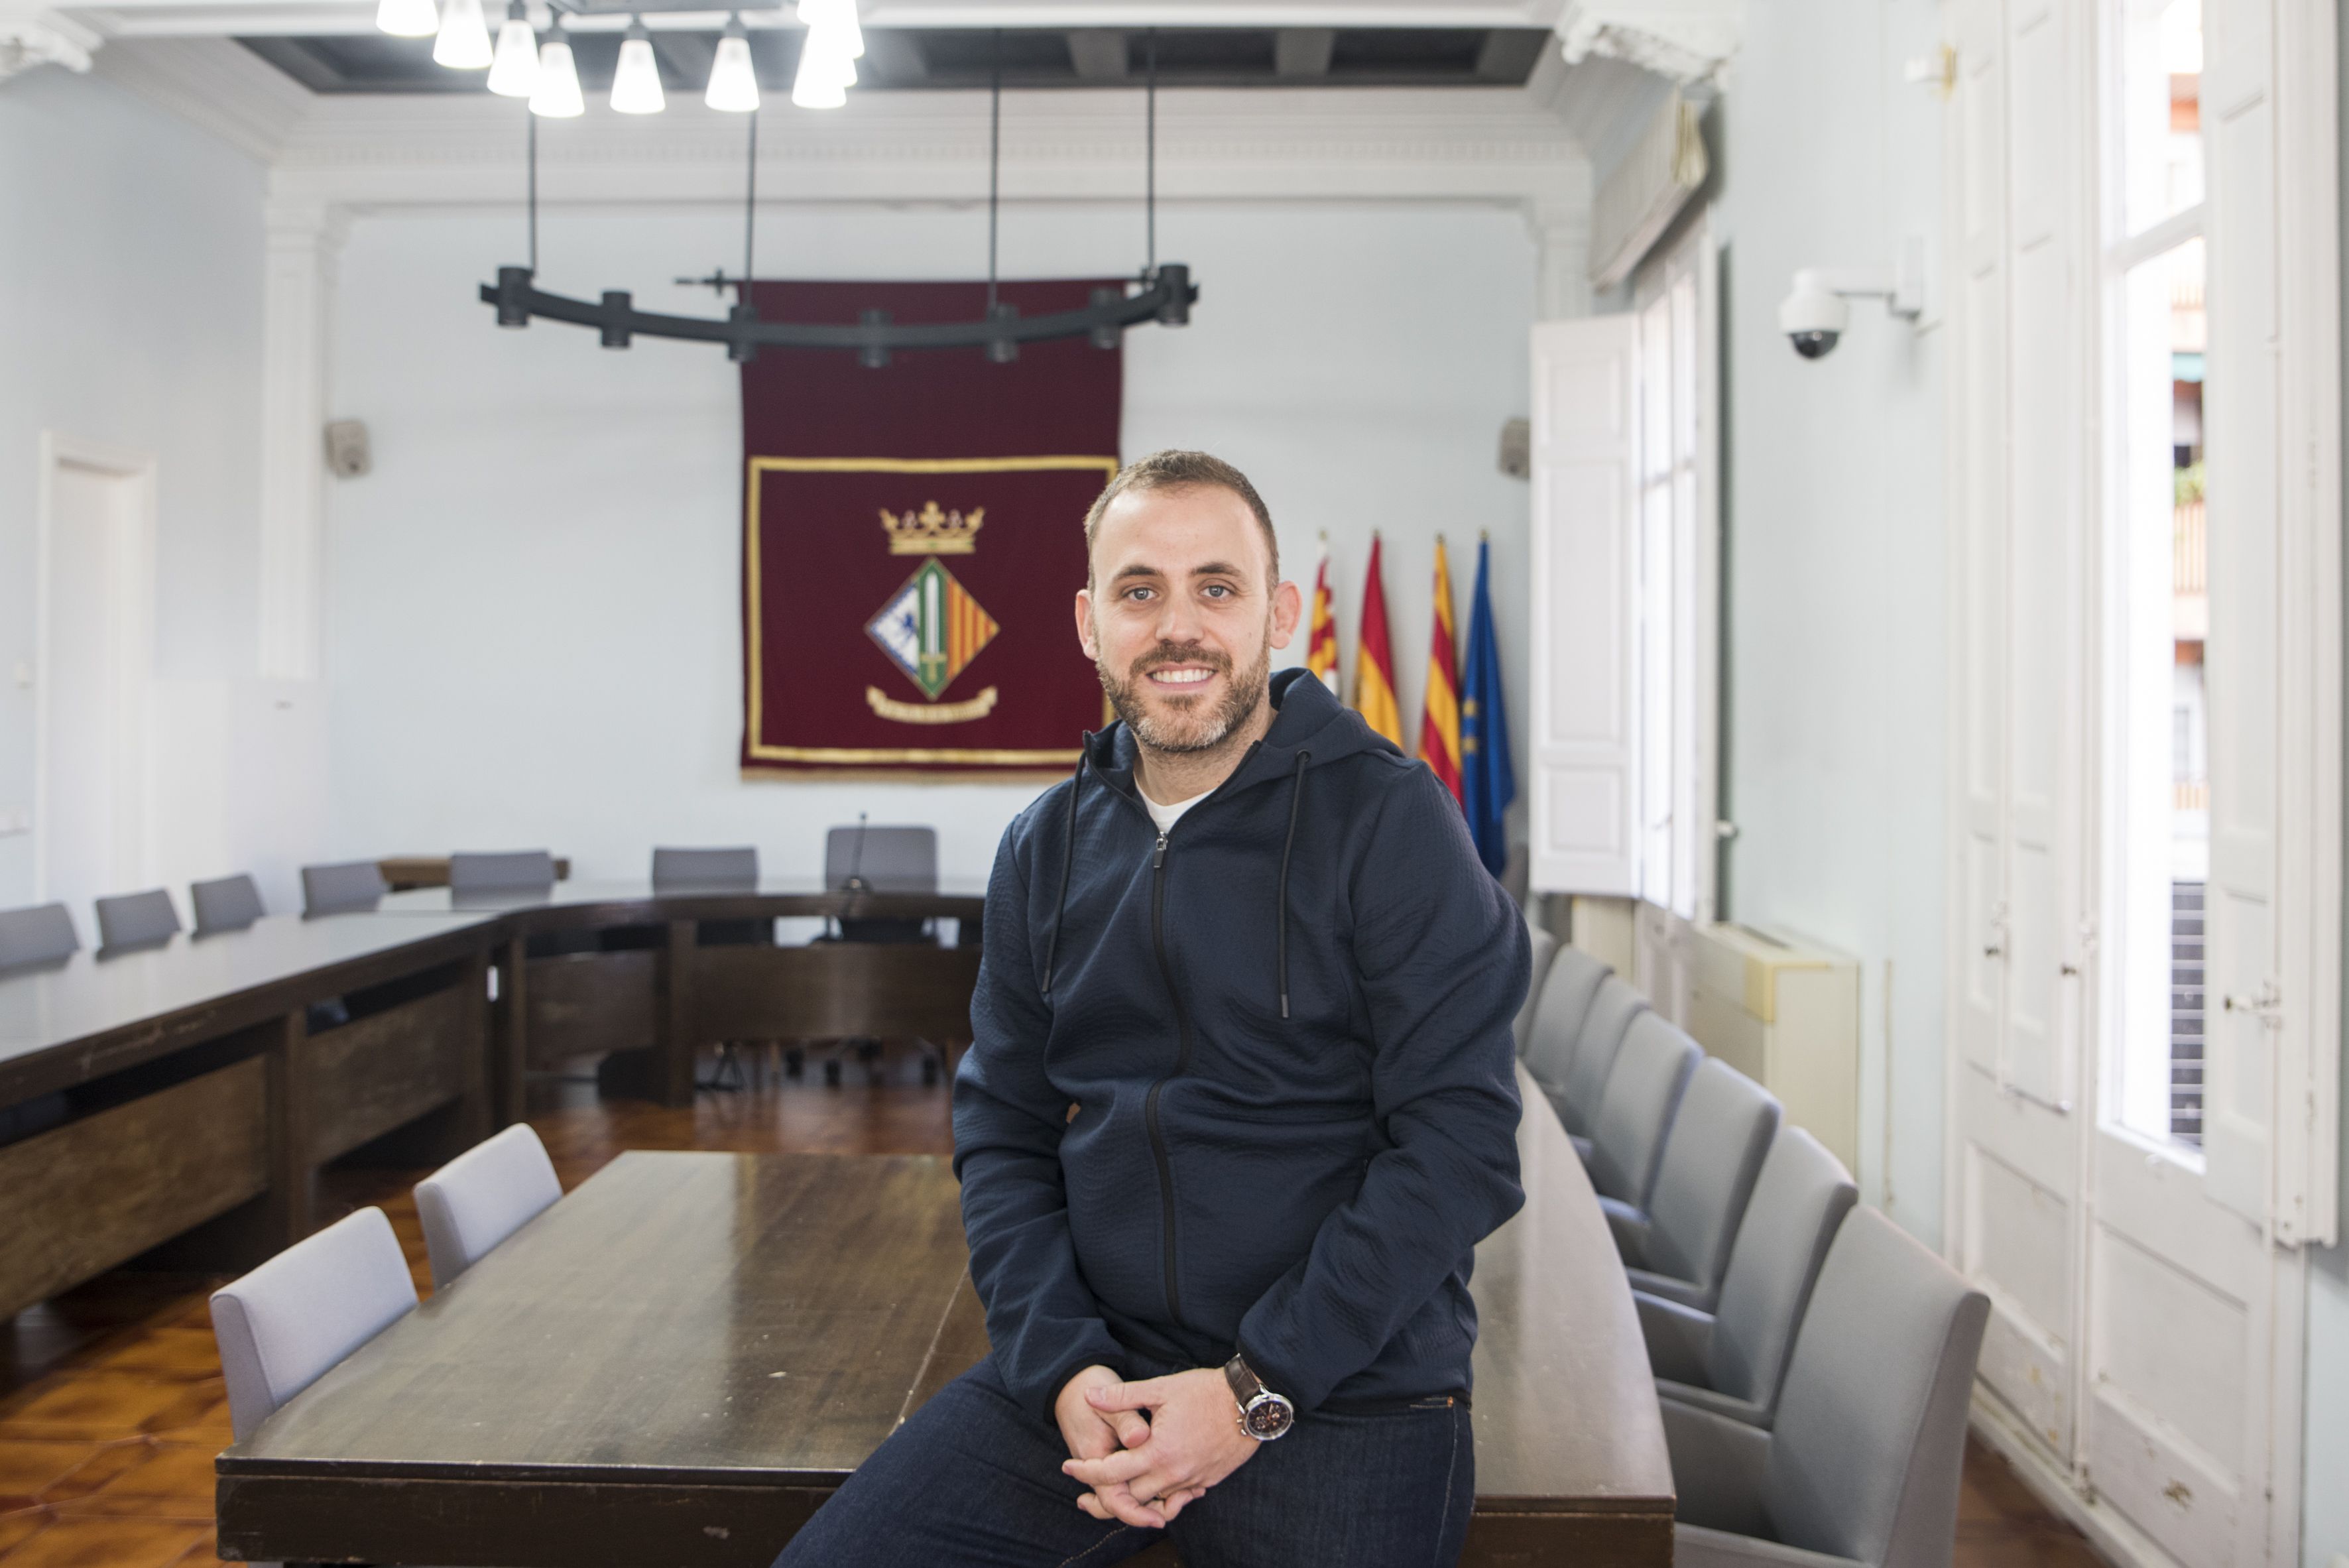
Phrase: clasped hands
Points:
(1144, 1471)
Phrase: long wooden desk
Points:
(155, 1091)
(677, 1363)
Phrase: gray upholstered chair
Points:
(1679, 1245)
(1567, 998)
(285, 1324)
(343, 887)
(225, 903)
(482, 1197)
(1613, 1005)
(1862, 1465)
(39, 933)
(135, 920)
(1643, 1091)
(1544, 948)
(1732, 1361)
(506, 870)
(882, 860)
(683, 870)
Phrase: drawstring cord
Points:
(1060, 904)
(1280, 905)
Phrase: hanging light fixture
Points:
(557, 95)
(733, 80)
(838, 19)
(827, 70)
(637, 84)
(408, 18)
(514, 71)
(464, 41)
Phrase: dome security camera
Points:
(1816, 315)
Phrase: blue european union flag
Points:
(1486, 779)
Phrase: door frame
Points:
(130, 593)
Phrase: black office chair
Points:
(864, 858)
(130, 920)
(225, 903)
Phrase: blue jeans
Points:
(972, 1479)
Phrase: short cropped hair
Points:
(1173, 470)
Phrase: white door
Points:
(96, 609)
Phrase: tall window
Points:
(2160, 817)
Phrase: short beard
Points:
(1182, 731)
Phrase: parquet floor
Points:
(111, 1404)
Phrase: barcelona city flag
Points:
(1374, 686)
(1488, 781)
(1439, 723)
(1321, 639)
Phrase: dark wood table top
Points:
(700, 1319)
(109, 1010)
(623, 898)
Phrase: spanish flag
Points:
(1439, 724)
(1321, 641)
(1375, 688)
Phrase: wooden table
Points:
(678, 1362)
(155, 1091)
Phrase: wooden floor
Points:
(111, 1404)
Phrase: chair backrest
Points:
(136, 919)
(1545, 946)
(340, 888)
(885, 859)
(1567, 998)
(1720, 1136)
(35, 934)
(282, 1326)
(504, 870)
(1635, 1115)
(1871, 1435)
(226, 903)
(1612, 1008)
(705, 868)
(1799, 1199)
(482, 1197)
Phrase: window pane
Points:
(1683, 298)
(2160, 112)
(1658, 716)
(1656, 390)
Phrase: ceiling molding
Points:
(214, 85)
(44, 38)
(1689, 41)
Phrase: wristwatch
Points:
(1264, 1415)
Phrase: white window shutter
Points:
(1585, 800)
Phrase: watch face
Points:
(1270, 1416)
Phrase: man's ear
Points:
(1287, 609)
(1085, 638)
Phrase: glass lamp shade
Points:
(636, 84)
(840, 18)
(464, 41)
(733, 81)
(556, 96)
(824, 76)
(514, 72)
(408, 18)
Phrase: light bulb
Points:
(514, 73)
(824, 74)
(408, 18)
(839, 16)
(464, 41)
(637, 84)
(733, 80)
(556, 96)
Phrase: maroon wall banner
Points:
(913, 536)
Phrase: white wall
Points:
(533, 606)
(130, 256)
(1833, 539)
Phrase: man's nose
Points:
(1179, 620)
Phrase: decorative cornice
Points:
(43, 38)
(1688, 40)
(215, 85)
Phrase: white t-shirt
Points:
(1167, 816)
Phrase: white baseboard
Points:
(2114, 1537)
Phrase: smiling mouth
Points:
(1180, 678)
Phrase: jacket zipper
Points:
(1182, 1065)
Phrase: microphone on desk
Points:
(856, 883)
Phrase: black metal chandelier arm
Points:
(1166, 298)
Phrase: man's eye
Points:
(1137, 593)
(1218, 591)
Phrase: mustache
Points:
(1166, 653)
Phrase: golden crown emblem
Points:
(931, 531)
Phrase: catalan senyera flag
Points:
(1374, 686)
(1486, 774)
(1321, 640)
(1439, 723)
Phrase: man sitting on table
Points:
(1239, 1106)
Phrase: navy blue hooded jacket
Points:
(1284, 1027)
